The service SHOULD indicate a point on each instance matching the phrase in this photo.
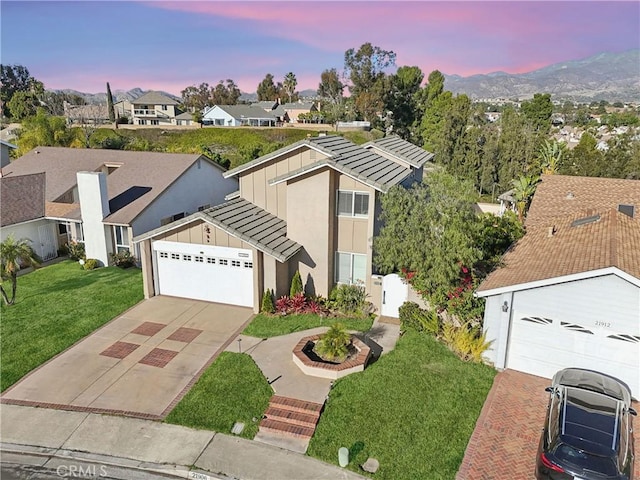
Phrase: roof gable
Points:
(405, 151)
(154, 98)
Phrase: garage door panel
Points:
(543, 346)
(203, 272)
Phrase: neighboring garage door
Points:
(542, 346)
(204, 272)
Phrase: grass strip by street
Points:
(55, 307)
(232, 389)
(266, 326)
(414, 410)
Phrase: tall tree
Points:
(43, 129)
(23, 105)
(289, 85)
(366, 70)
(267, 89)
(538, 112)
(331, 90)
(225, 94)
(523, 189)
(13, 253)
(551, 154)
(54, 102)
(110, 109)
(401, 99)
(195, 98)
(16, 78)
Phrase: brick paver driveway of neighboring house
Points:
(504, 444)
(140, 364)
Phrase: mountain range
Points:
(606, 76)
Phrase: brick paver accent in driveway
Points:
(119, 350)
(158, 357)
(183, 334)
(148, 329)
(505, 441)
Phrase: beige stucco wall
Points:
(254, 183)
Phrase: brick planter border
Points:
(327, 370)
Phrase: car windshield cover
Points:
(585, 460)
(591, 417)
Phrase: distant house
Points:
(294, 109)
(238, 116)
(86, 114)
(154, 108)
(5, 148)
(184, 118)
(122, 109)
(103, 198)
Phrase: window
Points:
(63, 228)
(175, 256)
(142, 122)
(155, 122)
(164, 255)
(235, 263)
(248, 264)
(222, 261)
(353, 204)
(186, 258)
(79, 233)
(121, 236)
(211, 260)
(350, 268)
(164, 107)
(198, 259)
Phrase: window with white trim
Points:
(186, 258)
(352, 204)
(350, 268)
(121, 236)
(211, 260)
(223, 261)
(235, 263)
(164, 255)
(79, 233)
(198, 259)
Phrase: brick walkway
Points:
(505, 440)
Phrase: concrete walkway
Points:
(40, 436)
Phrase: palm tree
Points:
(551, 155)
(290, 83)
(523, 190)
(14, 253)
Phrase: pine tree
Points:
(111, 110)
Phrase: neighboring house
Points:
(5, 156)
(238, 116)
(568, 293)
(294, 109)
(86, 114)
(266, 105)
(154, 108)
(104, 198)
(122, 109)
(312, 206)
(185, 118)
(507, 202)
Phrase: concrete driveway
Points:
(504, 443)
(139, 364)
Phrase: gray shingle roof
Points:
(185, 116)
(396, 146)
(365, 165)
(21, 198)
(154, 98)
(247, 111)
(245, 221)
(266, 104)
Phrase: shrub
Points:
(469, 343)
(349, 299)
(334, 344)
(267, 302)
(298, 303)
(123, 259)
(63, 251)
(76, 250)
(90, 264)
(296, 285)
(415, 318)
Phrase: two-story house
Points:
(154, 108)
(312, 206)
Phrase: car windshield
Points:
(586, 460)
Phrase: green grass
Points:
(266, 326)
(231, 390)
(414, 410)
(55, 307)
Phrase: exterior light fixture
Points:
(505, 307)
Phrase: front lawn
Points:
(414, 410)
(266, 326)
(232, 389)
(55, 307)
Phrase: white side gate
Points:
(47, 247)
(395, 291)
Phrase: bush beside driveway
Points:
(55, 307)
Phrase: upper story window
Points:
(164, 107)
(353, 204)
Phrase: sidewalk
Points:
(40, 433)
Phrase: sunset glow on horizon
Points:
(171, 45)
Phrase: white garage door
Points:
(204, 272)
(542, 346)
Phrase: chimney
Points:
(94, 207)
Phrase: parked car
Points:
(588, 432)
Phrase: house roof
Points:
(608, 239)
(365, 165)
(266, 104)
(246, 111)
(7, 144)
(86, 112)
(245, 221)
(140, 178)
(67, 211)
(154, 98)
(184, 116)
(21, 198)
(299, 105)
(396, 146)
(562, 195)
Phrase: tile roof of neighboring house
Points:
(245, 221)
(345, 156)
(140, 178)
(299, 105)
(266, 104)
(154, 98)
(21, 198)
(561, 195)
(86, 112)
(611, 240)
(246, 111)
(396, 146)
